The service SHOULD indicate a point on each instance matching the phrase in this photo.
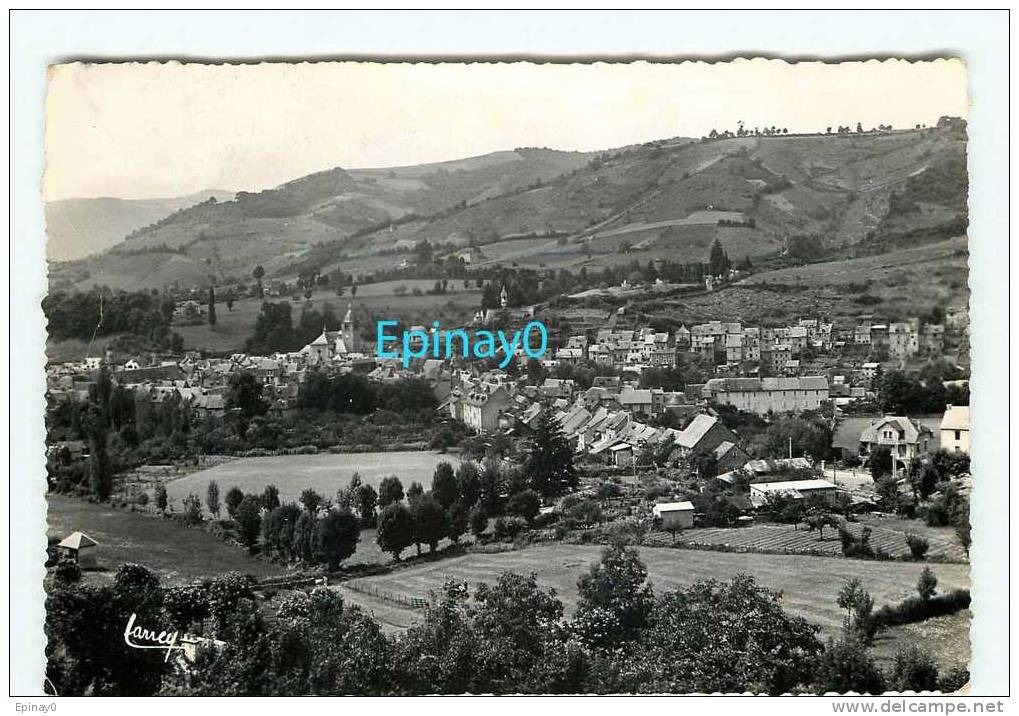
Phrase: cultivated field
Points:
(888, 535)
(809, 585)
(898, 284)
(324, 473)
(177, 554)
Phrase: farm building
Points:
(674, 515)
(79, 547)
(797, 489)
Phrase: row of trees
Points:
(511, 636)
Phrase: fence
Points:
(387, 596)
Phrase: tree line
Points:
(510, 636)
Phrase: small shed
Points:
(674, 515)
(79, 547)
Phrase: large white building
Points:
(764, 395)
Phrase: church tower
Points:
(349, 338)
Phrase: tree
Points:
(880, 462)
(415, 492)
(185, 606)
(927, 584)
(918, 546)
(336, 537)
(192, 509)
(258, 274)
(212, 307)
(718, 261)
(845, 666)
(366, 501)
(278, 530)
(161, 498)
(212, 498)
(457, 519)
(302, 544)
(270, 497)
(233, 501)
(100, 471)
(478, 519)
(820, 521)
(390, 491)
(468, 481)
(549, 465)
(526, 504)
(395, 529)
(914, 669)
(859, 605)
(249, 521)
(310, 500)
(618, 587)
(430, 523)
(244, 394)
(444, 484)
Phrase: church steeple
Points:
(348, 328)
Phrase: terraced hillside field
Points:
(796, 539)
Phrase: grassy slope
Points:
(809, 585)
(176, 554)
(839, 190)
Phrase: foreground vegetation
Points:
(511, 636)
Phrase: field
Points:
(809, 585)
(899, 284)
(178, 555)
(324, 473)
(888, 535)
(946, 637)
(372, 301)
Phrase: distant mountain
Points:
(759, 195)
(76, 228)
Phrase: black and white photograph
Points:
(381, 377)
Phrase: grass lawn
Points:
(177, 554)
(809, 585)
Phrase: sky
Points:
(169, 129)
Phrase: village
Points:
(617, 416)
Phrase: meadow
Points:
(176, 554)
(324, 473)
(809, 585)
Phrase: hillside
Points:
(760, 195)
(76, 228)
(215, 241)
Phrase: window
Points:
(958, 434)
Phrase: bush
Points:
(67, 571)
(915, 609)
(507, 528)
(525, 504)
(918, 546)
